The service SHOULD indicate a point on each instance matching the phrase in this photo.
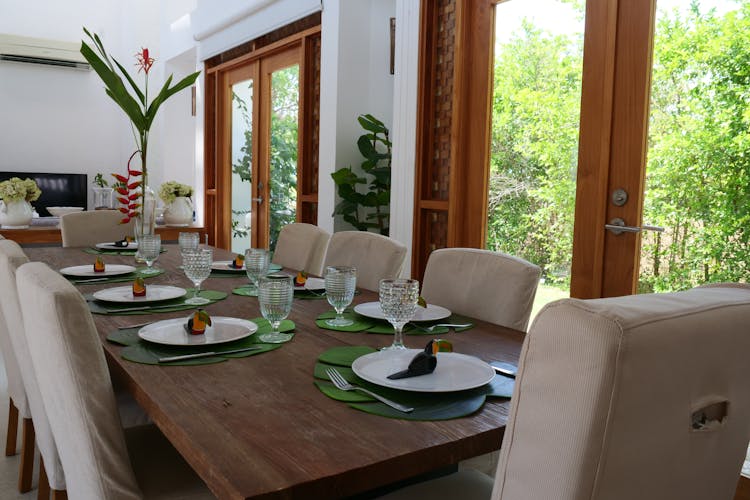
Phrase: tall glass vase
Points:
(145, 223)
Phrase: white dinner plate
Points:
(110, 245)
(88, 271)
(312, 284)
(223, 265)
(154, 293)
(222, 329)
(454, 371)
(429, 313)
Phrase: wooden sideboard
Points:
(50, 235)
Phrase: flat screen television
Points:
(58, 190)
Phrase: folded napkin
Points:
(422, 364)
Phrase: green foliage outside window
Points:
(698, 175)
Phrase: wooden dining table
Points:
(257, 427)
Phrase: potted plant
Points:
(103, 194)
(17, 195)
(179, 205)
(366, 197)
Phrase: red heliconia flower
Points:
(133, 196)
(125, 220)
(134, 185)
(122, 190)
(144, 62)
(134, 173)
(122, 200)
(123, 210)
(120, 178)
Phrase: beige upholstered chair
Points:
(302, 247)
(18, 405)
(77, 393)
(375, 256)
(486, 285)
(643, 396)
(80, 229)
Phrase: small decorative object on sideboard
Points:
(179, 205)
(103, 194)
(15, 208)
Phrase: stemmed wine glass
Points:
(150, 247)
(197, 264)
(257, 261)
(398, 300)
(340, 285)
(275, 295)
(188, 241)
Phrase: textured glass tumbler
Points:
(257, 261)
(341, 281)
(188, 241)
(275, 295)
(150, 247)
(197, 266)
(398, 300)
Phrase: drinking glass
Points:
(398, 300)
(150, 247)
(275, 295)
(188, 241)
(257, 261)
(340, 284)
(197, 264)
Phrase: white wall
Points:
(61, 120)
(355, 79)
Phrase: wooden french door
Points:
(261, 171)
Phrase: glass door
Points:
(536, 107)
(698, 168)
(242, 164)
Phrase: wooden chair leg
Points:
(44, 491)
(10, 440)
(26, 472)
(59, 495)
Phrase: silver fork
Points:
(341, 383)
(431, 328)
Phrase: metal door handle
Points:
(617, 226)
(258, 200)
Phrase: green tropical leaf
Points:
(166, 92)
(138, 92)
(366, 148)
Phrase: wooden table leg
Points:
(26, 472)
(10, 440)
(43, 493)
(59, 495)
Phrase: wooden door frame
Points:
(612, 147)
(216, 139)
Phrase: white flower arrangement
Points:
(172, 189)
(16, 189)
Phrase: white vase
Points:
(15, 214)
(179, 213)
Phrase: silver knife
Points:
(93, 280)
(507, 369)
(206, 354)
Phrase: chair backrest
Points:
(302, 247)
(10, 251)
(80, 229)
(11, 258)
(75, 385)
(643, 396)
(375, 256)
(486, 285)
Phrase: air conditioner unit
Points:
(41, 51)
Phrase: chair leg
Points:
(10, 439)
(26, 473)
(43, 493)
(59, 495)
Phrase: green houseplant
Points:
(365, 199)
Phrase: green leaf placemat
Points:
(370, 325)
(427, 406)
(96, 251)
(360, 322)
(141, 351)
(158, 307)
(120, 278)
(246, 291)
